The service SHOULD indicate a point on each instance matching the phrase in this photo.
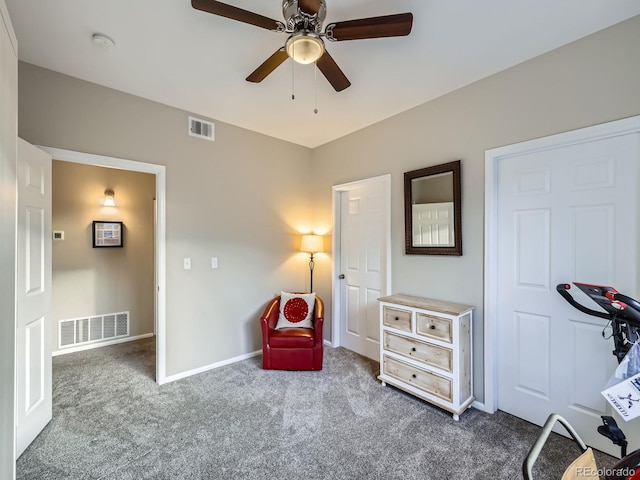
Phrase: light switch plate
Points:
(214, 262)
(187, 264)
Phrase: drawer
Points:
(396, 318)
(434, 327)
(434, 355)
(426, 381)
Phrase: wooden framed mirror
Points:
(433, 210)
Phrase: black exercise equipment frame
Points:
(623, 313)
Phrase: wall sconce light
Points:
(311, 244)
(109, 198)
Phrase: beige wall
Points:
(594, 80)
(96, 281)
(243, 198)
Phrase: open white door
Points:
(364, 262)
(33, 293)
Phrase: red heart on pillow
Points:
(295, 310)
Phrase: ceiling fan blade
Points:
(332, 72)
(397, 25)
(309, 6)
(269, 65)
(235, 13)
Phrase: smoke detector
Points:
(102, 41)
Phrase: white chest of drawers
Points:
(426, 350)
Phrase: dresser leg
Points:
(384, 384)
(456, 417)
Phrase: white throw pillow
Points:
(296, 310)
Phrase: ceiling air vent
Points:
(201, 128)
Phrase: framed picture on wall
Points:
(107, 234)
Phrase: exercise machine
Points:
(623, 314)
(622, 311)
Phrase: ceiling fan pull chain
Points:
(293, 92)
(315, 87)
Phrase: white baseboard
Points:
(239, 358)
(479, 406)
(195, 371)
(100, 344)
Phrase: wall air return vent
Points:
(94, 329)
(201, 128)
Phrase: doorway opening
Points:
(159, 226)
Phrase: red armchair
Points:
(291, 348)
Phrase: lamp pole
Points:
(311, 264)
(311, 244)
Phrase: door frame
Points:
(615, 128)
(160, 233)
(337, 190)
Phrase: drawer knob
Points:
(432, 327)
(413, 375)
(413, 349)
(397, 318)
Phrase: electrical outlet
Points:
(214, 262)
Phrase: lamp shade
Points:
(311, 243)
(109, 198)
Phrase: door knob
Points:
(341, 276)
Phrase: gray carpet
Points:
(111, 421)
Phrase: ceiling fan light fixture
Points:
(305, 47)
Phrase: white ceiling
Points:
(170, 53)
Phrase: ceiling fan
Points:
(303, 23)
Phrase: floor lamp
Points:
(311, 244)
